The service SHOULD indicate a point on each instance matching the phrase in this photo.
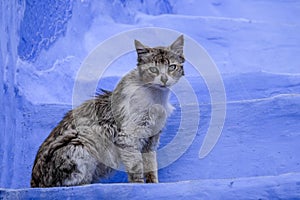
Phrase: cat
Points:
(118, 127)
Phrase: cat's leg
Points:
(134, 165)
(150, 160)
(157, 115)
(65, 166)
(131, 156)
(93, 157)
(74, 166)
(130, 142)
(150, 167)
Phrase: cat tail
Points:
(101, 91)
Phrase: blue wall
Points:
(255, 44)
(43, 23)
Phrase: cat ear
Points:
(177, 46)
(140, 48)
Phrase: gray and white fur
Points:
(116, 127)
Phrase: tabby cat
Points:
(122, 126)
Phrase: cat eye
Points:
(153, 70)
(172, 67)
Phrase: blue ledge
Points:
(286, 186)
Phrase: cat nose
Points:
(164, 79)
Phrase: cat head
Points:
(160, 66)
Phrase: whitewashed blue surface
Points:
(255, 44)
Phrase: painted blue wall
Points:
(42, 24)
(255, 44)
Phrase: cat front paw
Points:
(135, 178)
(151, 177)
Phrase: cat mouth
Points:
(159, 86)
(162, 86)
